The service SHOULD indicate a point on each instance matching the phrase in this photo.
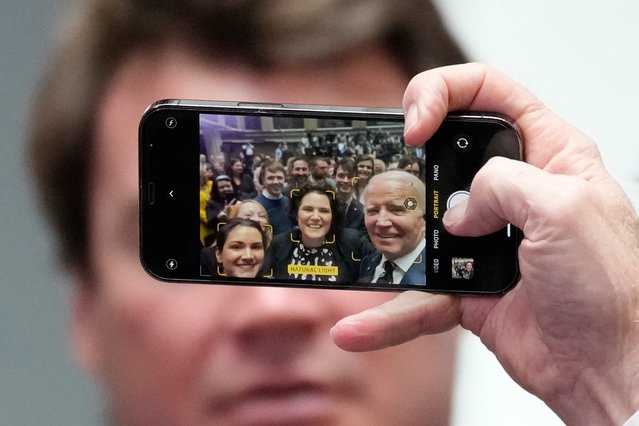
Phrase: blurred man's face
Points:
(320, 170)
(188, 354)
(300, 171)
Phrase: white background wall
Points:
(578, 56)
(581, 58)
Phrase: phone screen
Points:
(312, 196)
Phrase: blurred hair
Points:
(101, 34)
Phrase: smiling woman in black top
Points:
(314, 250)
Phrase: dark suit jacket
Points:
(353, 217)
(350, 248)
(416, 274)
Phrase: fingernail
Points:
(411, 118)
(455, 213)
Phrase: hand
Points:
(569, 332)
(224, 214)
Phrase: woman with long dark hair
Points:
(241, 179)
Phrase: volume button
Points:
(150, 193)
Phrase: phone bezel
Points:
(196, 107)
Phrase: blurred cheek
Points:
(423, 367)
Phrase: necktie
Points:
(387, 276)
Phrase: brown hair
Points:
(103, 33)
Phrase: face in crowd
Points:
(344, 182)
(237, 168)
(300, 172)
(254, 211)
(365, 169)
(314, 218)
(224, 187)
(242, 252)
(394, 229)
(274, 182)
(320, 169)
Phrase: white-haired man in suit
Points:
(394, 218)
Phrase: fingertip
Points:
(425, 106)
(455, 214)
(353, 335)
(411, 118)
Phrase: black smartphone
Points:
(316, 196)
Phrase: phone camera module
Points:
(462, 143)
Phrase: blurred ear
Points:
(84, 321)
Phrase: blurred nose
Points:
(276, 323)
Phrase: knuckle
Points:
(568, 198)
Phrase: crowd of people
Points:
(312, 211)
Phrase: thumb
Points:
(409, 315)
(500, 194)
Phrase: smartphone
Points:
(398, 241)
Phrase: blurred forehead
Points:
(240, 233)
(370, 78)
(268, 173)
(315, 198)
(251, 206)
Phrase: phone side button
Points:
(150, 193)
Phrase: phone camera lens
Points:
(462, 143)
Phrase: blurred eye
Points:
(397, 210)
